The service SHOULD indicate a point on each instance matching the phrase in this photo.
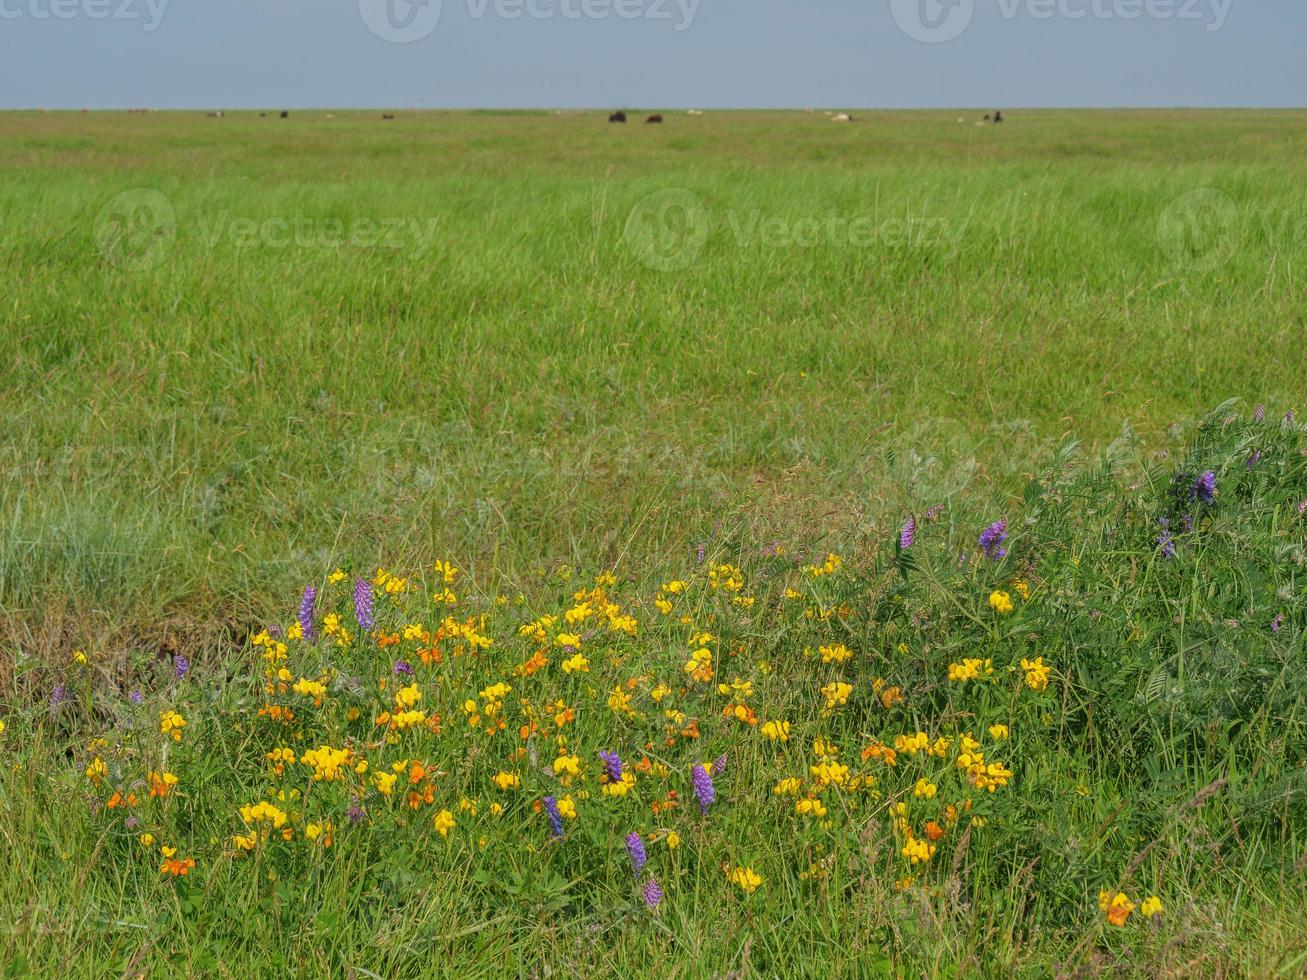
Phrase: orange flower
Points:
(178, 868)
(934, 831)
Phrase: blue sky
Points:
(654, 53)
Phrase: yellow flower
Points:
(829, 772)
(97, 770)
(328, 764)
(384, 781)
(310, 689)
(746, 879)
(1117, 906)
(673, 840)
(79, 657)
(407, 697)
(576, 664)
(444, 822)
(569, 764)
(924, 789)
(810, 808)
(171, 724)
(788, 786)
(336, 577)
(147, 840)
(1000, 602)
(620, 702)
(836, 693)
(1151, 906)
(971, 669)
(836, 653)
(1036, 673)
(265, 813)
(507, 780)
(918, 851)
(777, 731)
(997, 732)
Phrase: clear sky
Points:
(651, 53)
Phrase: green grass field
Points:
(239, 353)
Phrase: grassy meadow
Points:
(665, 397)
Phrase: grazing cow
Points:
(285, 114)
(654, 119)
(988, 117)
(841, 117)
(617, 117)
(387, 115)
(215, 115)
(998, 117)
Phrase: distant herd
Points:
(620, 116)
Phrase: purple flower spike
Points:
(1277, 622)
(1253, 460)
(403, 667)
(306, 610)
(1259, 413)
(612, 765)
(1204, 488)
(908, 534)
(555, 818)
(992, 538)
(179, 666)
(635, 848)
(363, 604)
(719, 765)
(703, 788)
(653, 895)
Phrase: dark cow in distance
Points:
(654, 119)
(617, 117)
